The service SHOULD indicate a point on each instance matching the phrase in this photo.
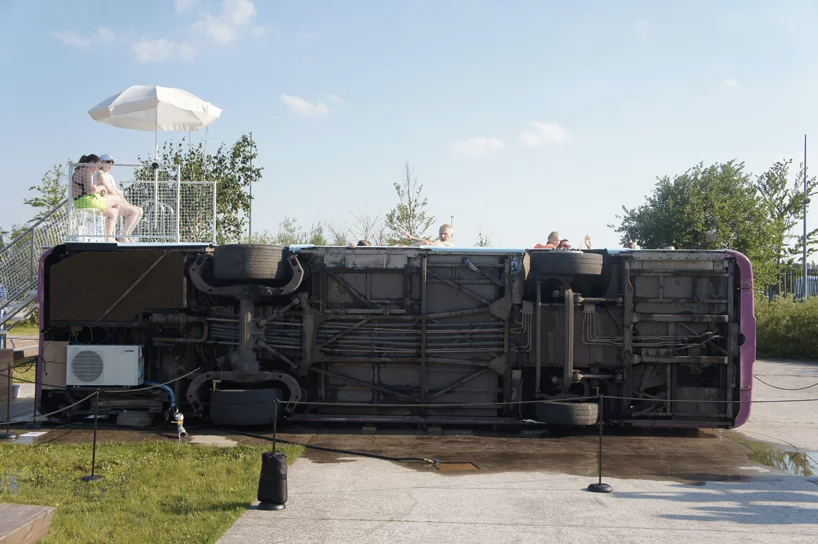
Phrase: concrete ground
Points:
(667, 488)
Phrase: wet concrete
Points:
(707, 456)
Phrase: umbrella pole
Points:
(156, 175)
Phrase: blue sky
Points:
(518, 117)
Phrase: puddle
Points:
(8, 484)
(452, 465)
(688, 458)
(796, 462)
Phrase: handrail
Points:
(34, 226)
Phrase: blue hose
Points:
(171, 396)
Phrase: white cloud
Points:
(223, 28)
(305, 35)
(105, 35)
(72, 39)
(475, 147)
(302, 107)
(641, 25)
(335, 98)
(543, 133)
(731, 83)
(240, 12)
(162, 50)
(219, 30)
(182, 5)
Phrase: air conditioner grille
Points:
(87, 366)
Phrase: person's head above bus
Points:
(446, 232)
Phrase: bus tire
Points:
(240, 262)
(570, 414)
(551, 262)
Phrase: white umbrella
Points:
(144, 107)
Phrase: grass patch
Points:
(152, 492)
(26, 328)
(25, 371)
(787, 328)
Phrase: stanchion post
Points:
(8, 435)
(598, 486)
(34, 424)
(272, 482)
(94, 477)
(275, 422)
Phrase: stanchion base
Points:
(600, 488)
(8, 436)
(94, 478)
(266, 505)
(31, 425)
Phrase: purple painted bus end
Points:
(747, 351)
(40, 304)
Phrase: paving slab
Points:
(24, 524)
(667, 488)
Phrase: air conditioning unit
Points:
(105, 365)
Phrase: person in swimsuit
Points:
(116, 199)
(552, 242)
(446, 234)
(88, 195)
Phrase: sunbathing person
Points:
(88, 195)
(446, 234)
(552, 242)
(116, 199)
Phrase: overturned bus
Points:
(411, 335)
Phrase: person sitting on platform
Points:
(116, 199)
(88, 195)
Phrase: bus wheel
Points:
(551, 262)
(573, 414)
(240, 262)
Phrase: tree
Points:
(230, 167)
(289, 234)
(482, 240)
(49, 194)
(786, 205)
(410, 213)
(361, 227)
(712, 207)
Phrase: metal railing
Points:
(19, 264)
(172, 211)
(790, 283)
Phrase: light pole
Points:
(806, 278)
(250, 222)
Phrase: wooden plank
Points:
(24, 524)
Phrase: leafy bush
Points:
(787, 328)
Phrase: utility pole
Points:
(451, 221)
(806, 277)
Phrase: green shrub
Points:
(787, 328)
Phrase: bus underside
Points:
(398, 335)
